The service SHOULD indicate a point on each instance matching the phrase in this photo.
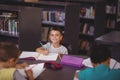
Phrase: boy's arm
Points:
(42, 50)
(76, 75)
(22, 65)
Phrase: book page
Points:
(117, 66)
(28, 54)
(75, 78)
(113, 63)
(87, 63)
(49, 57)
(36, 68)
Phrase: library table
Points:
(66, 73)
(111, 39)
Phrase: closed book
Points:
(72, 60)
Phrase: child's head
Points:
(56, 35)
(9, 54)
(100, 54)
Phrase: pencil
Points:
(38, 55)
(59, 56)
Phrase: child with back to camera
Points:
(9, 54)
(100, 58)
(54, 46)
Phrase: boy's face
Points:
(55, 36)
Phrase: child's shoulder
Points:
(6, 69)
(48, 43)
(62, 46)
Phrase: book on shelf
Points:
(110, 9)
(84, 45)
(85, 28)
(38, 56)
(91, 30)
(53, 17)
(87, 12)
(37, 69)
(88, 29)
(110, 23)
(44, 33)
(8, 23)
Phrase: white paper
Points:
(49, 57)
(36, 68)
(113, 63)
(87, 62)
(75, 78)
(117, 66)
(26, 54)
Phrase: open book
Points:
(38, 56)
(36, 68)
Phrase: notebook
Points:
(72, 60)
(36, 68)
(38, 56)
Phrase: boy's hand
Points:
(29, 74)
(46, 52)
(22, 65)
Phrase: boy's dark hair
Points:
(8, 50)
(99, 53)
(57, 29)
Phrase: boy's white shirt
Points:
(48, 46)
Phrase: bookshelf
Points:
(9, 25)
(112, 15)
(28, 21)
(92, 22)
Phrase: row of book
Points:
(8, 25)
(87, 12)
(53, 17)
(44, 33)
(84, 45)
(87, 29)
(110, 23)
(110, 9)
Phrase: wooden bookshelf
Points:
(29, 22)
(112, 15)
(92, 22)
